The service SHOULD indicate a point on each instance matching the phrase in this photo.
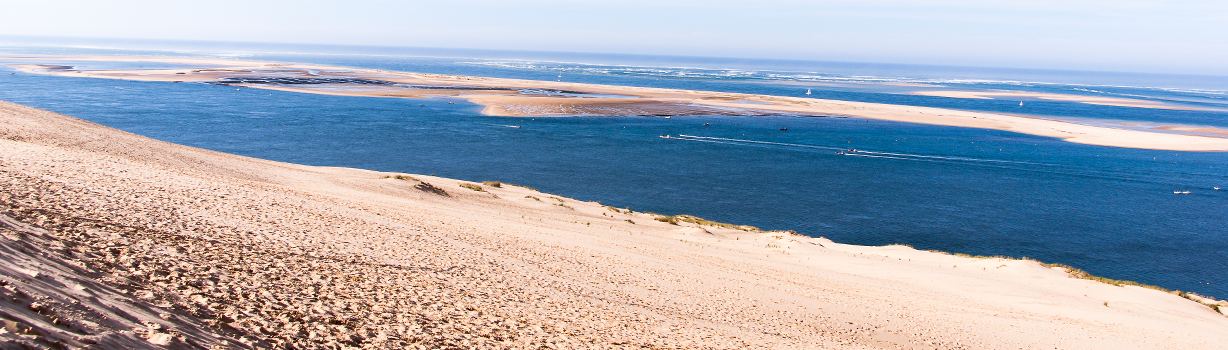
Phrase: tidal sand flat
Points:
(1095, 100)
(516, 97)
(117, 240)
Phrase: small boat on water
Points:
(666, 136)
(1020, 103)
(807, 92)
(1217, 188)
(1181, 192)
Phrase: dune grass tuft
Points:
(1079, 273)
(474, 187)
(671, 219)
(495, 184)
(401, 177)
(675, 219)
(619, 210)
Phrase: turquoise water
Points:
(1110, 211)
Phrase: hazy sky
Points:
(1133, 35)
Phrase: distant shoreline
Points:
(1094, 100)
(506, 97)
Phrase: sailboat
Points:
(807, 92)
(1020, 103)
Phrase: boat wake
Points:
(503, 125)
(1154, 177)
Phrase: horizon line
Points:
(603, 53)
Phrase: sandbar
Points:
(1094, 100)
(507, 97)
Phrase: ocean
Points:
(1110, 211)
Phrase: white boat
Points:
(1020, 103)
(1181, 192)
(807, 92)
(1216, 188)
(664, 136)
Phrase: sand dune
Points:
(508, 97)
(117, 240)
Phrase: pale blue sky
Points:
(1131, 35)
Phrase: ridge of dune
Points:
(116, 240)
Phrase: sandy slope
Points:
(501, 96)
(115, 239)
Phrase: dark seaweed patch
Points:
(300, 81)
(445, 87)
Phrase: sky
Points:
(1175, 36)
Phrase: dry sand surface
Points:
(119, 241)
(508, 97)
(1095, 100)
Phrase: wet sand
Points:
(504, 97)
(114, 240)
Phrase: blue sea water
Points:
(1110, 211)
